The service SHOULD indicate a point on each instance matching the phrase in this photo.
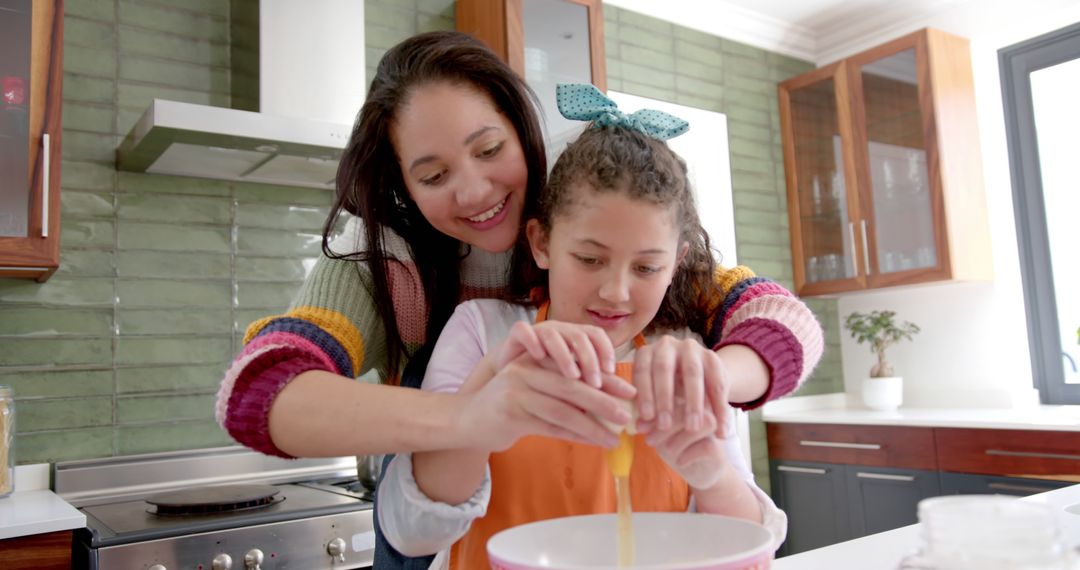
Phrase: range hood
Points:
(311, 86)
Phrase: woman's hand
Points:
(574, 350)
(671, 368)
(525, 398)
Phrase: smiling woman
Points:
(465, 170)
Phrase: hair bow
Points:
(584, 102)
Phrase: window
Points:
(1040, 79)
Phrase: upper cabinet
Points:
(884, 175)
(31, 43)
(547, 42)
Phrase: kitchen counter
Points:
(33, 508)
(884, 551)
(835, 409)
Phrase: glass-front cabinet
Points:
(30, 101)
(883, 169)
(818, 170)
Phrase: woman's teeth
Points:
(485, 216)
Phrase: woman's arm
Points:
(320, 414)
(766, 318)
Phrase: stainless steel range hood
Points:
(311, 85)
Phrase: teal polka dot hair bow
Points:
(584, 102)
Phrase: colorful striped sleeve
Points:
(761, 314)
(332, 326)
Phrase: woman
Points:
(445, 158)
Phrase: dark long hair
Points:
(627, 162)
(370, 184)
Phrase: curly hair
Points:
(611, 159)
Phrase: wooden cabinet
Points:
(547, 42)
(875, 446)
(48, 551)
(502, 24)
(31, 61)
(883, 170)
(839, 482)
(1013, 453)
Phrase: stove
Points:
(218, 509)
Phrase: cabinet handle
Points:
(865, 247)
(1017, 488)
(885, 477)
(45, 149)
(810, 470)
(851, 232)
(841, 445)
(1007, 453)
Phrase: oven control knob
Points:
(221, 562)
(157, 567)
(337, 549)
(253, 559)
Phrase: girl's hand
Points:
(524, 397)
(669, 368)
(695, 453)
(574, 350)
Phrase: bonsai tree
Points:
(880, 331)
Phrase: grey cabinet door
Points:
(974, 484)
(881, 499)
(815, 499)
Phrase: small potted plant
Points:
(882, 390)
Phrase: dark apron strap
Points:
(386, 556)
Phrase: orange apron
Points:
(544, 478)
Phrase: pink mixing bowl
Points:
(663, 541)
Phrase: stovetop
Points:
(290, 513)
(132, 521)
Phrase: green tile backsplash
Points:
(122, 349)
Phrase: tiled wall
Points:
(121, 351)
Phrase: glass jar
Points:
(989, 532)
(7, 441)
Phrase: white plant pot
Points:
(883, 394)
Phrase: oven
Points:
(218, 509)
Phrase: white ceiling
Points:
(820, 31)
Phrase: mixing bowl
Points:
(662, 541)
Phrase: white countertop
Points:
(33, 508)
(836, 409)
(884, 551)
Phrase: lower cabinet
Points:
(880, 499)
(969, 484)
(837, 482)
(48, 551)
(828, 503)
(812, 495)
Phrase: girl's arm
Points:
(720, 479)
(453, 476)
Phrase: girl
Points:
(618, 236)
(441, 196)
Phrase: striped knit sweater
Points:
(333, 325)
